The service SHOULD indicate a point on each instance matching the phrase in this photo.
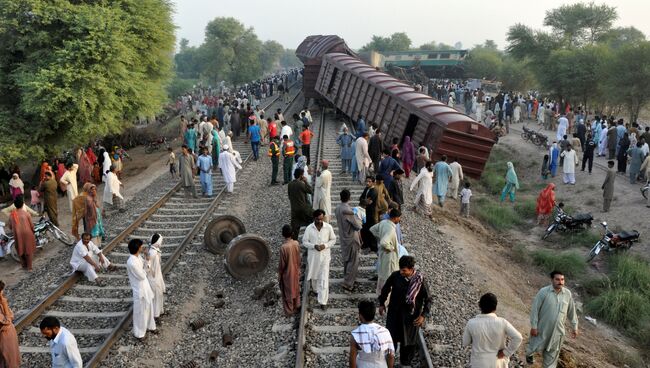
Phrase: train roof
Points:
(316, 46)
(420, 104)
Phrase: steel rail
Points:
(301, 339)
(28, 318)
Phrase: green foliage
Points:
(570, 263)
(434, 46)
(580, 23)
(232, 53)
(179, 86)
(498, 215)
(288, 59)
(483, 63)
(398, 41)
(626, 76)
(622, 358)
(621, 307)
(583, 239)
(515, 75)
(617, 37)
(630, 272)
(72, 71)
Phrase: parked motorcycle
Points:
(613, 241)
(44, 230)
(563, 222)
(156, 145)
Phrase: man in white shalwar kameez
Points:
(155, 276)
(69, 179)
(569, 165)
(486, 334)
(562, 126)
(362, 157)
(228, 165)
(456, 177)
(322, 196)
(112, 190)
(88, 259)
(424, 183)
(143, 319)
(319, 238)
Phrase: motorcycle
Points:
(156, 145)
(563, 222)
(44, 231)
(613, 241)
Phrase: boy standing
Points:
(465, 195)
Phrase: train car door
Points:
(411, 124)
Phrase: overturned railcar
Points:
(311, 52)
(357, 89)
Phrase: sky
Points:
(470, 21)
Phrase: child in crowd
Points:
(465, 195)
(35, 199)
(171, 161)
(360, 211)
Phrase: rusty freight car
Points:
(311, 52)
(359, 89)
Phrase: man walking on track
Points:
(305, 137)
(318, 239)
(143, 312)
(205, 166)
(552, 304)
(63, 345)
(349, 227)
(186, 170)
(301, 210)
(289, 272)
(409, 305)
(228, 163)
(322, 196)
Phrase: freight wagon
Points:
(357, 89)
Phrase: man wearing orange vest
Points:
(274, 154)
(288, 151)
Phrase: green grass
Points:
(500, 216)
(582, 239)
(621, 358)
(632, 273)
(526, 208)
(596, 285)
(570, 263)
(621, 307)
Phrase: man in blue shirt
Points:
(361, 126)
(205, 166)
(255, 137)
(63, 345)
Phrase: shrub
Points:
(569, 263)
(623, 358)
(581, 239)
(596, 286)
(621, 307)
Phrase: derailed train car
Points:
(356, 89)
(311, 52)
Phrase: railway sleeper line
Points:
(98, 315)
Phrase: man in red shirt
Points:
(273, 129)
(305, 138)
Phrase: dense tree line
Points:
(74, 70)
(231, 53)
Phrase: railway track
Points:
(97, 316)
(323, 335)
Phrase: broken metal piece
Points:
(190, 364)
(246, 255)
(220, 231)
(197, 323)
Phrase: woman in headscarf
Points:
(91, 155)
(512, 184)
(9, 352)
(85, 167)
(408, 155)
(553, 155)
(545, 204)
(93, 216)
(45, 167)
(16, 186)
(621, 157)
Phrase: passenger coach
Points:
(356, 89)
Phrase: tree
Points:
(490, 44)
(288, 59)
(515, 75)
(71, 71)
(270, 55)
(434, 46)
(626, 74)
(580, 23)
(399, 41)
(483, 63)
(618, 37)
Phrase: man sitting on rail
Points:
(88, 259)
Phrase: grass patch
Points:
(596, 285)
(569, 263)
(621, 307)
(526, 208)
(520, 254)
(498, 215)
(630, 273)
(585, 239)
(621, 358)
